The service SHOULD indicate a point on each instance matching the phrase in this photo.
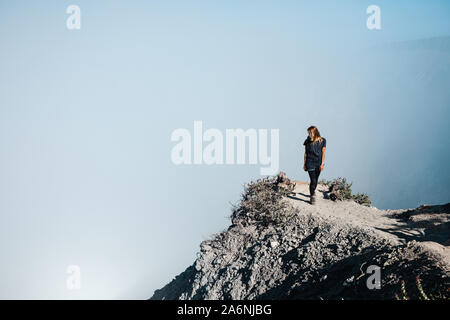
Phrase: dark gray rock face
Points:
(306, 257)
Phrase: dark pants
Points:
(314, 176)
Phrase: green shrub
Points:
(342, 190)
(362, 198)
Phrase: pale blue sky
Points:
(86, 117)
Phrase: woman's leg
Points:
(317, 175)
(313, 176)
(317, 178)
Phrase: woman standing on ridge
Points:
(314, 158)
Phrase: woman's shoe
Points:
(313, 199)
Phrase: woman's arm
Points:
(323, 158)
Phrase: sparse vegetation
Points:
(421, 296)
(262, 202)
(341, 189)
(362, 199)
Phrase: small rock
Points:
(274, 244)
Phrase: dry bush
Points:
(420, 295)
(262, 202)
